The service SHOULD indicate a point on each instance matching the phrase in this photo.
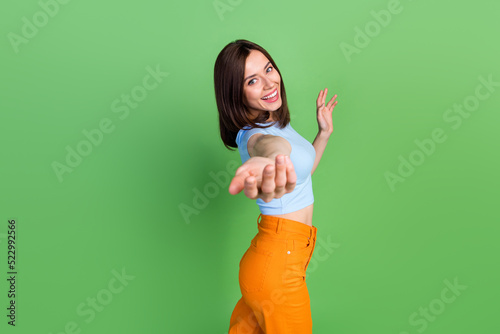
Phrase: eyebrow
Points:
(255, 74)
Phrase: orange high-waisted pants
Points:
(272, 277)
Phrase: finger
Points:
(333, 106)
(268, 185)
(251, 190)
(291, 177)
(237, 184)
(318, 100)
(280, 178)
(331, 102)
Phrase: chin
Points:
(280, 104)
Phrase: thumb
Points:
(237, 184)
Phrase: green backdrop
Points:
(115, 175)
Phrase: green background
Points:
(119, 209)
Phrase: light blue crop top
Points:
(302, 155)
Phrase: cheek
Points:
(251, 94)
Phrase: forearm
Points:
(319, 144)
(270, 146)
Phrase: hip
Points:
(278, 255)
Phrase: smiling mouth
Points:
(271, 97)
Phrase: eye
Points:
(267, 71)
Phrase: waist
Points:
(303, 215)
(276, 226)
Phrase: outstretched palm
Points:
(264, 178)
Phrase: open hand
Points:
(324, 113)
(264, 178)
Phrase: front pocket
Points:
(301, 245)
(297, 260)
(254, 267)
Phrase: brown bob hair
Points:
(229, 72)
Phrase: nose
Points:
(268, 83)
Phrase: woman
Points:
(276, 171)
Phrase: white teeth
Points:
(270, 96)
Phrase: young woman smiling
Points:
(277, 164)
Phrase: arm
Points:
(319, 145)
(325, 125)
(269, 172)
(268, 146)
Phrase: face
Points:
(261, 86)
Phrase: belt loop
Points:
(279, 226)
(258, 222)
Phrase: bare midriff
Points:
(303, 216)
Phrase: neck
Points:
(268, 120)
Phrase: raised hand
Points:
(324, 112)
(264, 178)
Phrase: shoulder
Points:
(246, 133)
